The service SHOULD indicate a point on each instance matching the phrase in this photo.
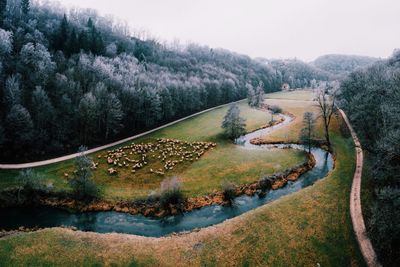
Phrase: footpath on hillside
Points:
(357, 219)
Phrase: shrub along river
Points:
(111, 221)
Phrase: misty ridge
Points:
(72, 77)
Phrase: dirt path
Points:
(364, 242)
(71, 156)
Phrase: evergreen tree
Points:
(42, 109)
(61, 37)
(19, 125)
(73, 43)
(90, 23)
(25, 7)
(151, 108)
(96, 42)
(233, 124)
(114, 116)
(87, 117)
(3, 5)
(83, 41)
(2, 135)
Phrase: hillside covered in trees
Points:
(371, 98)
(300, 74)
(297, 73)
(342, 65)
(71, 78)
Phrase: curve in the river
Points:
(111, 221)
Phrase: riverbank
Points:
(306, 228)
(153, 208)
(224, 162)
(146, 207)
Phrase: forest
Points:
(72, 77)
(371, 98)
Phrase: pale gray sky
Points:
(266, 28)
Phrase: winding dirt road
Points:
(364, 242)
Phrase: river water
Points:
(111, 221)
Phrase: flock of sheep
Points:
(170, 152)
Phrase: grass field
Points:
(305, 95)
(203, 176)
(306, 228)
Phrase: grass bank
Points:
(306, 228)
(203, 176)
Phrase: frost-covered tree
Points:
(5, 42)
(371, 98)
(307, 132)
(36, 65)
(250, 95)
(19, 125)
(87, 117)
(12, 92)
(259, 94)
(233, 124)
(42, 115)
(255, 96)
(82, 184)
(114, 116)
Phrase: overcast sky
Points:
(266, 28)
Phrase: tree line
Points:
(371, 98)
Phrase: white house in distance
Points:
(285, 87)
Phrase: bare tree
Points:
(326, 102)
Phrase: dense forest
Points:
(71, 78)
(371, 98)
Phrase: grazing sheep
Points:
(112, 171)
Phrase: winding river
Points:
(111, 221)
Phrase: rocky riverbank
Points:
(147, 207)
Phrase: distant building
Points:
(285, 87)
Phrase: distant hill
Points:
(296, 73)
(342, 65)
